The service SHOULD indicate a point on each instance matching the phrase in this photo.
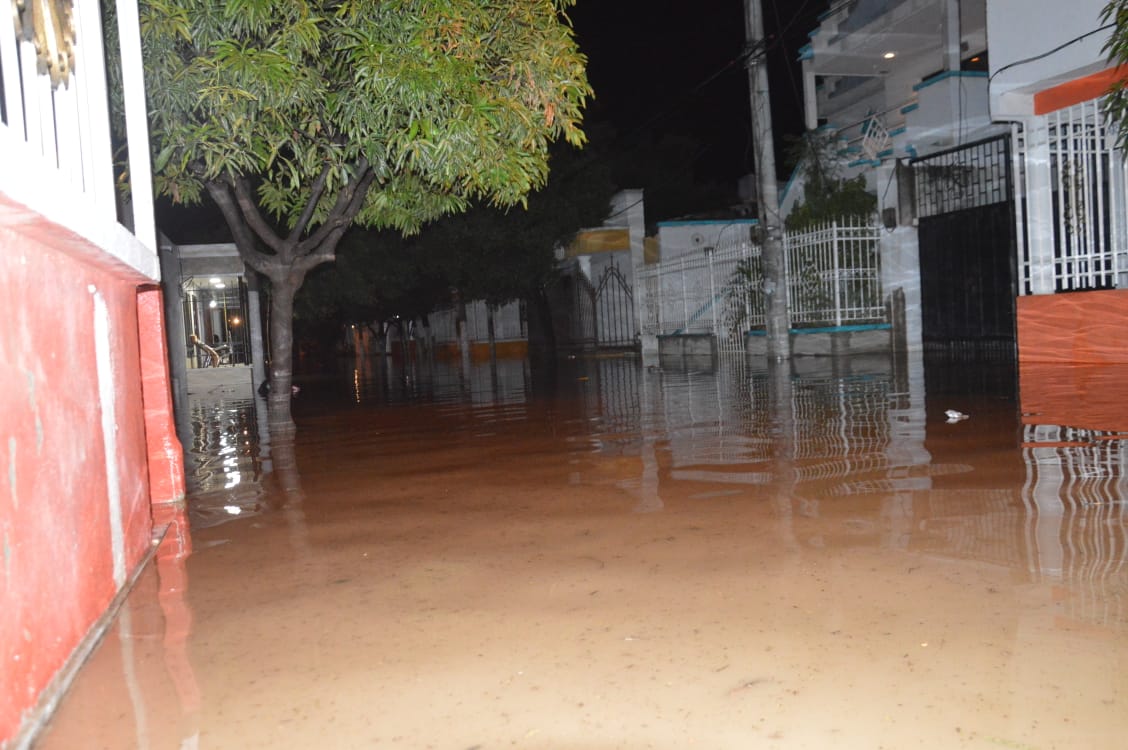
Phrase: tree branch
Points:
(327, 248)
(311, 206)
(344, 211)
(223, 196)
(249, 208)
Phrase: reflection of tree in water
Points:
(285, 495)
(781, 400)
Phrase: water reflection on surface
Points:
(608, 553)
(225, 459)
(861, 441)
(1048, 500)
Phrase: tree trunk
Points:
(428, 338)
(463, 333)
(544, 312)
(403, 340)
(282, 293)
(492, 336)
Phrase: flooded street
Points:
(615, 555)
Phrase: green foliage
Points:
(1115, 103)
(487, 253)
(441, 101)
(827, 196)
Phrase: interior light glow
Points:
(889, 55)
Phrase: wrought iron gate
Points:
(590, 315)
(614, 309)
(965, 208)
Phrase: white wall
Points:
(1021, 29)
(678, 238)
(507, 323)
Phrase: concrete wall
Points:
(678, 238)
(87, 436)
(1023, 29)
(507, 323)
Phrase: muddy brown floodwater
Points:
(616, 555)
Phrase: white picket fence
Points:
(834, 274)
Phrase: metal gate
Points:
(614, 309)
(587, 315)
(965, 208)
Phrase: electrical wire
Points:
(1055, 50)
(782, 35)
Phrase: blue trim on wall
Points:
(949, 74)
(896, 131)
(700, 222)
(910, 108)
(806, 53)
(831, 329)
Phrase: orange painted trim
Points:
(480, 350)
(1078, 90)
(166, 457)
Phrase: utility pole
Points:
(777, 317)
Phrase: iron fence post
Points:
(836, 275)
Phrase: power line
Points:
(1056, 49)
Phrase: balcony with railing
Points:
(73, 128)
(891, 75)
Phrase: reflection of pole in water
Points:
(783, 431)
(649, 499)
(906, 421)
(1043, 491)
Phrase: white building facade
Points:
(978, 125)
(1049, 75)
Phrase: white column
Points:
(136, 123)
(1039, 207)
(810, 97)
(951, 22)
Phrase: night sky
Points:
(672, 66)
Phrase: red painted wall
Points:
(56, 566)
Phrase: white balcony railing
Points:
(56, 146)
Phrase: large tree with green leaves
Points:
(300, 118)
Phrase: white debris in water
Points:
(954, 416)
